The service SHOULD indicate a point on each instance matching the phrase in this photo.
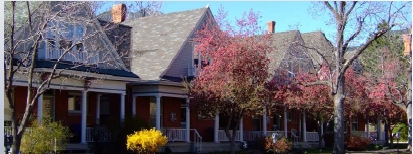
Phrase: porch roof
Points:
(63, 65)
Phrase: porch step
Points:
(305, 145)
(76, 148)
(176, 147)
(222, 146)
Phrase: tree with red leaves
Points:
(316, 100)
(388, 70)
(232, 81)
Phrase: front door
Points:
(104, 110)
(183, 115)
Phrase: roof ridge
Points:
(166, 14)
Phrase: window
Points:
(354, 124)
(104, 105)
(65, 44)
(74, 102)
(256, 123)
(290, 116)
(79, 47)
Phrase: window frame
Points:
(74, 94)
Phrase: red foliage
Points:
(233, 81)
(356, 143)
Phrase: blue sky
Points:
(285, 14)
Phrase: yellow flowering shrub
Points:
(146, 141)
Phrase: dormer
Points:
(61, 36)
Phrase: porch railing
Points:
(197, 141)
(8, 130)
(223, 137)
(253, 135)
(78, 57)
(104, 134)
(312, 136)
(174, 134)
(370, 134)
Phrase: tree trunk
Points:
(232, 142)
(339, 117)
(386, 132)
(320, 136)
(16, 144)
(389, 135)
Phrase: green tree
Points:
(47, 137)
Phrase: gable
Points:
(317, 41)
(183, 60)
(156, 41)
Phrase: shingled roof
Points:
(156, 40)
(317, 40)
(281, 43)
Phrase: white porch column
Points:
(300, 127)
(264, 124)
(122, 106)
(367, 129)
(241, 130)
(285, 121)
(158, 112)
(188, 119)
(216, 128)
(98, 108)
(134, 105)
(40, 108)
(379, 129)
(322, 133)
(83, 123)
(304, 128)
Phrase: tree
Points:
(353, 20)
(386, 65)
(232, 81)
(316, 101)
(29, 27)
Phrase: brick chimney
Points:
(118, 13)
(407, 40)
(271, 27)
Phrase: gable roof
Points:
(317, 40)
(281, 43)
(156, 40)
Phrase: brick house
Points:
(73, 98)
(148, 82)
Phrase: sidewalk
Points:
(381, 151)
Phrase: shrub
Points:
(282, 145)
(146, 141)
(356, 143)
(403, 129)
(45, 138)
(119, 131)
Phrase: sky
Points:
(285, 14)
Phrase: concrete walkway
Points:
(381, 151)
